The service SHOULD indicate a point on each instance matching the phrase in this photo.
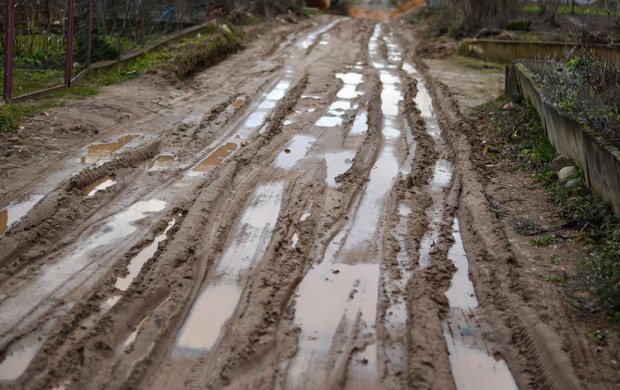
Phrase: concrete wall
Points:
(507, 51)
(600, 162)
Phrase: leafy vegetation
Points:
(518, 136)
(522, 25)
(564, 9)
(181, 59)
(543, 241)
(587, 90)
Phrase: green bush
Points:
(103, 49)
(523, 25)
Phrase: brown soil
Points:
(315, 253)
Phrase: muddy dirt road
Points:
(304, 215)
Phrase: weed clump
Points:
(585, 89)
(519, 137)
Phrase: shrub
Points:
(587, 90)
(522, 25)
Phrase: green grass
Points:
(543, 241)
(10, 114)
(567, 10)
(181, 59)
(312, 11)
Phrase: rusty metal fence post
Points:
(142, 22)
(89, 43)
(69, 53)
(182, 15)
(9, 41)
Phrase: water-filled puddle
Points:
(256, 119)
(22, 352)
(373, 48)
(407, 67)
(360, 124)
(332, 296)
(473, 365)
(461, 294)
(215, 158)
(337, 302)
(393, 53)
(295, 239)
(267, 104)
(351, 82)
(238, 103)
(339, 107)
(162, 161)
(17, 360)
(306, 213)
(396, 312)
(348, 92)
(79, 264)
(329, 121)
(15, 212)
(103, 151)
(442, 176)
(145, 254)
(337, 164)
(295, 151)
(350, 78)
(99, 185)
(246, 247)
(424, 102)
(311, 38)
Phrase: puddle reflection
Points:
(103, 151)
(295, 151)
(161, 162)
(15, 212)
(99, 185)
(219, 299)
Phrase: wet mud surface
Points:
(284, 226)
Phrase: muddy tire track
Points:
(302, 235)
(528, 345)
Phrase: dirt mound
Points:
(442, 48)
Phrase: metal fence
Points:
(49, 44)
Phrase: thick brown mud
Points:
(283, 226)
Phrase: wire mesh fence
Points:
(39, 45)
(47, 44)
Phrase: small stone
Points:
(567, 173)
(560, 162)
(572, 183)
(509, 106)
